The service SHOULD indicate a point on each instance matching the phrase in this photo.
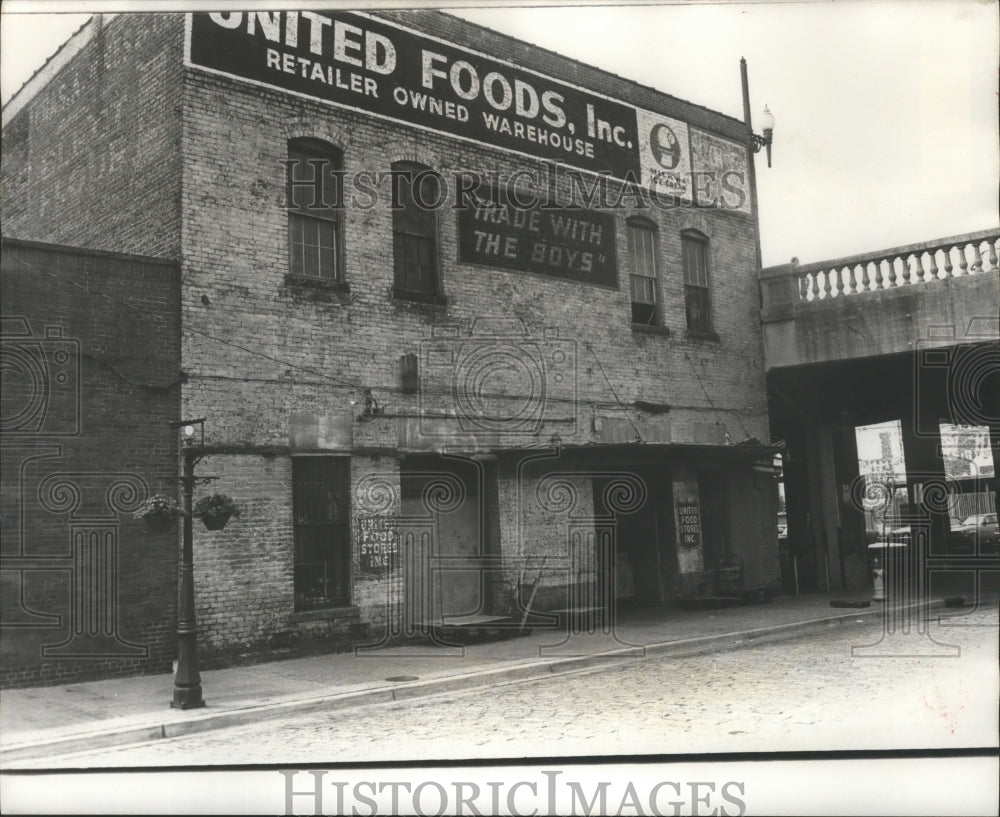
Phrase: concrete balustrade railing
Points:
(788, 285)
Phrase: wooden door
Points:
(442, 498)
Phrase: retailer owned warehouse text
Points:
(396, 74)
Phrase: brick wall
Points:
(93, 161)
(84, 443)
(329, 345)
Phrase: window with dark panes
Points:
(315, 206)
(697, 298)
(414, 231)
(321, 513)
(643, 283)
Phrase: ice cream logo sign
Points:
(358, 61)
(664, 154)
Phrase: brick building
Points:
(90, 385)
(456, 309)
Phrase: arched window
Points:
(643, 281)
(414, 230)
(697, 293)
(315, 208)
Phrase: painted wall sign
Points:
(689, 523)
(721, 168)
(378, 544)
(371, 65)
(576, 244)
(361, 62)
(664, 154)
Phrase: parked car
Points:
(978, 533)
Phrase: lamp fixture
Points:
(187, 428)
(767, 128)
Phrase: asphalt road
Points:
(805, 694)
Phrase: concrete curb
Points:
(201, 721)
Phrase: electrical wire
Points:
(590, 349)
(192, 330)
(353, 385)
(718, 413)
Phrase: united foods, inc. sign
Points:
(358, 61)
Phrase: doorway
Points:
(445, 523)
(637, 555)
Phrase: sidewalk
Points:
(41, 721)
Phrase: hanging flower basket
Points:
(158, 512)
(158, 523)
(215, 521)
(215, 511)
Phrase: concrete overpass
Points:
(908, 333)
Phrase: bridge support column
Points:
(924, 469)
(852, 547)
(824, 506)
(831, 451)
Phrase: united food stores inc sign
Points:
(361, 62)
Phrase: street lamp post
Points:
(187, 680)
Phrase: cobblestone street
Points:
(803, 694)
